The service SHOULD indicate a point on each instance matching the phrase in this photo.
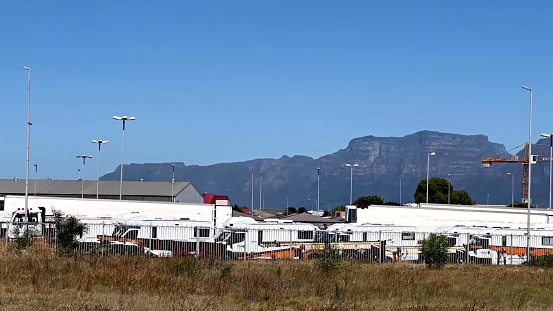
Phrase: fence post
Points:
(245, 242)
(197, 242)
(511, 250)
(379, 246)
(290, 246)
(467, 259)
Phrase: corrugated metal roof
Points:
(73, 187)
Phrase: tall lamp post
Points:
(28, 144)
(36, 172)
(512, 189)
(448, 188)
(351, 166)
(252, 207)
(287, 203)
(84, 157)
(400, 192)
(318, 187)
(99, 142)
(260, 191)
(529, 177)
(550, 164)
(173, 183)
(124, 119)
(428, 173)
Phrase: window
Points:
(503, 241)
(237, 237)
(352, 215)
(547, 240)
(364, 236)
(345, 237)
(410, 236)
(132, 234)
(154, 232)
(203, 232)
(259, 236)
(305, 235)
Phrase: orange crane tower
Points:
(487, 162)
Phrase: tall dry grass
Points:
(35, 279)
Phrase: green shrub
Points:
(542, 261)
(68, 231)
(23, 241)
(330, 262)
(434, 250)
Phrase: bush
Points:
(542, 261)
(434, 250)
(68, 231)
(23, 241)
(330, 262)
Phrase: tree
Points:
(368, 200)
(302, 210)
(326, 214)
(434, 250)
(392, 203)
(292, 210)
(438, 191)
(340, 208)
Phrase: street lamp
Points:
(173, 183)
(260, 191)
(529, 177)
(84, 157)
(252, 192)
(263, 205)
(99, 142)
(512, 189)
(351, 166)
(287, 203)
(448, 188)
(428, 173)
(488, 199)
(318, 188)
(36, 172)
(28, 144)
(124, 119)
(550, 164)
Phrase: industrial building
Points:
(183, 192)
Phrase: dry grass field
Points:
(38, 280)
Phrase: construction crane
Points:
(487, 162)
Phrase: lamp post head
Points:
(99, 141)
(527, 88)
(432, 153)
(26, 68)
(124, 118)
(508, 173)
(547, 135)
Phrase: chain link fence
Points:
(104, 238)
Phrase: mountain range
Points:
(382, 161)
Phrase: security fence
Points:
(300, 243)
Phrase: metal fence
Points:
(111, 239)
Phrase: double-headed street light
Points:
(428, 173)
(351, 166)
(550, 164)
(84, 157)
(529, 176)
(124, 119)
(99, 142)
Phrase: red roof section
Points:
(211, 198)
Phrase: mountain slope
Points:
(382, 162)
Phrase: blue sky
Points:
(223, 81)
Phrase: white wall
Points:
(99, 208)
